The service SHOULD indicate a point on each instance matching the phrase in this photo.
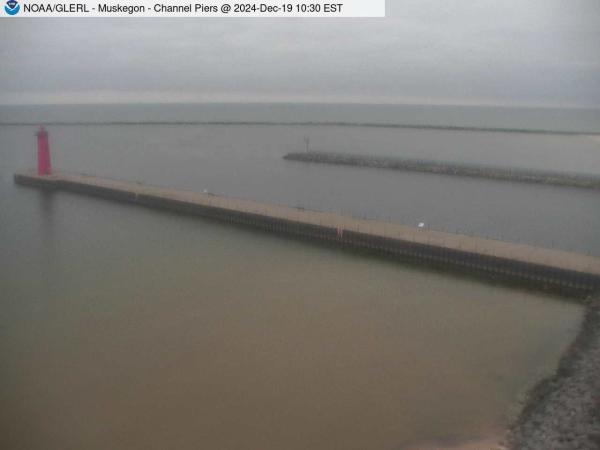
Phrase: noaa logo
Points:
(12, 7)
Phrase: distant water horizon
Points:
(461, 117)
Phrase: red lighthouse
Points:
(44, 167)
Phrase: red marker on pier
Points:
(44, 167)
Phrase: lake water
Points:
(247, 161)
(124, 327)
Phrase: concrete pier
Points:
(531, 265)
(450, 168)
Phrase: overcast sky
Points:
(523, 52)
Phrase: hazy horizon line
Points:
(305, 102)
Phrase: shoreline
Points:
(562, 412)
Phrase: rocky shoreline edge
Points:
(563, 411)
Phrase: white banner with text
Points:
(183, 8)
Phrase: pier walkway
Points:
(504, 260)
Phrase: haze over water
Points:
(124, 327)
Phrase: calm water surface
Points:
(123, 327)
(246, 161)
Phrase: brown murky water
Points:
(127, 328)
